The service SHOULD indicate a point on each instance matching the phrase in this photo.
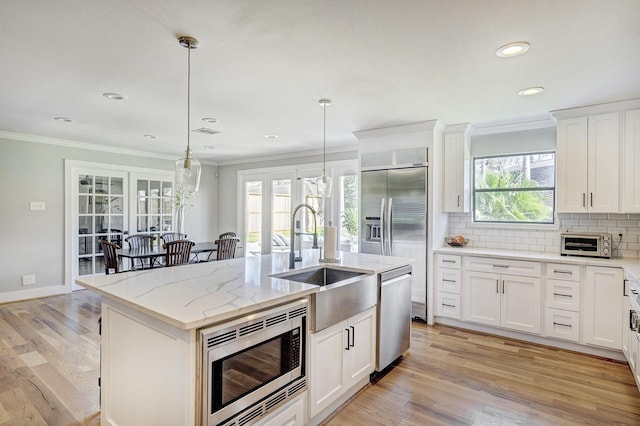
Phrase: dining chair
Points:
(226, 248)
(227, 235)
(172, 236)
(177, 252)
(142, 242)
(110, 256)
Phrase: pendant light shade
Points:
(324, 182)
(188, 169)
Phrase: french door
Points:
(111, 202)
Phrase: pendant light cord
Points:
(188, 156)
(324, 139)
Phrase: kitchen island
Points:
(150, 322)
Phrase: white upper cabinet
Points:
(631, 160)
(588, 156)
(456, 168)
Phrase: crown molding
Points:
(296, 154)
(594, 109)
(89, 146)
(532, 123)
(421, 126)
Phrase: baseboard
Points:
(27, 294)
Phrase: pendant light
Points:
(188, 168)
(323, 183)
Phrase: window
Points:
(515, 188)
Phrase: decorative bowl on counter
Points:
(457, 241)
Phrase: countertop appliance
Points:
(393, 201)
(586, 244)
(394, 315)
(253, 365)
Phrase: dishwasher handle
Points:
(389, 275)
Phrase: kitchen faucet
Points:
(292, 256)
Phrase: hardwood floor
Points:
(455, 377)
(49, 360)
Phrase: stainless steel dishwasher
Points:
(394, 315)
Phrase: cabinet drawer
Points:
(448, 261)
(448, 280)
(563, 295)
(502, 266)
(561, 271)
(561, 324)
(448, 305)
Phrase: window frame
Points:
(474, 190)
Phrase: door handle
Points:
(497, 286)
(382, 228)
(348, 339)
(458, 200)
(584, 199)
(353, 335)
(591, 199)
(502, 286)
(390, 227)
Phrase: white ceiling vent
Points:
(206, 131)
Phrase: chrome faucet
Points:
(292, 256)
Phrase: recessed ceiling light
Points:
(512, 49)
(63, 119)
(209, 147)
(271, 136)
(114, 96)
(209, 120)
(150, 136)
(531, 91)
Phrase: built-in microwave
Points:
(252, 365)
(585, 244)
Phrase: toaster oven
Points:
(585, 244)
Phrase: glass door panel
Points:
(100, 215)
(253, 217)
(154, 202)
(280, 214)
(348, 217)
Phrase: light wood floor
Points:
(49, 359)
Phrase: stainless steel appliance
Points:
(394, 319)
(586, 244)
(394, 213)
(252, 365)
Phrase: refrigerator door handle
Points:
(382, 228)
(389, 240)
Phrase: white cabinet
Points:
(456, 168)
(502, 299)
(631, 159)
(588, 161)
(341, 355)
(602, 307)
(562, 302)
(291, 414)
(448, 284)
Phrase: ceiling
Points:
(262, 66)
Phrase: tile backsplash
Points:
(540, 240)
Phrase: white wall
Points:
(33, 241)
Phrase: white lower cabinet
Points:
(341, 355)
(602, 307)
(448, 284)
(292, 414)
(562, 324)
(500, 300)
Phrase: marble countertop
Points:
(197, 295)
(628, 264)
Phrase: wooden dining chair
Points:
(227, 235)
(172, 236)
(142, 242)
(110, 256)
(178, 252)
(226, 248)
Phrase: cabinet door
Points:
(448, 305)
(631, 159)
(456, 171)
(602, 307)
(521, 306)
(448, 280)
(604, 163)
(571, 165)
(361, 355)
(481, 298)
(327, 374)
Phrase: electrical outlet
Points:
(28, 279)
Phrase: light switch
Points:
(37, 205)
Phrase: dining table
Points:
(151, 258)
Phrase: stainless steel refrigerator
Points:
(394, 219)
